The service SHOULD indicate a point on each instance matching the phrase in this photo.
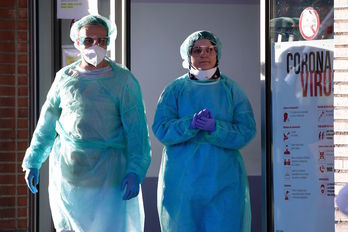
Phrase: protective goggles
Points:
(89, 41)
(197, 51)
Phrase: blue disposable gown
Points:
(202, 180)
(102, 136)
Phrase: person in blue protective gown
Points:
(94, 130)
(203, 118)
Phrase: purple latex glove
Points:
(205, 113)
(206, 121)
(193, 122)
(32, 179)
(132, 182)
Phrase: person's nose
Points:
(204, 53)
(95, 42)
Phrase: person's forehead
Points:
(92, 30)
(202, 42)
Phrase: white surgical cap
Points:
(93, 20)
(186, 46)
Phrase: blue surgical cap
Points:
(109, 26)
(186, 46)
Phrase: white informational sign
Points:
(303, 148)
(69, 54)
(76, 9)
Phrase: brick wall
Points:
(341, 103)
(13, 113)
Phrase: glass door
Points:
(300, 61)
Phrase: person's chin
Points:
(205, 66)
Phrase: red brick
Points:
(7, 146)
(22, 3)
(21, 180)
(7, 157)
(7, 101)
(22, 36)
(7, 69)
(7, 190)
(21, 153)
(7, 168)
(6, 225)
(23, 58)
(22, 113)
(22, 223)
(22, 47)
(6, 113)
(7, 134)
(23, 80)
(7, 201)
(23, 189)
(7, 25)
(8, 213)
(7, 179)
(7, 35)
(22, 69)
(22, 212)
(22, 102)
(8, 3)
(22, 25)
(22, 91)
(7, 46)
(22, 134)
(19, 166)
(22, 201)
(7, 13)
(22, 146)
(7, 80)
(7, 123)
(23, 123)
(8, 58)
(22, 13)
(7, 91)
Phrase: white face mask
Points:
(93, 55)
(203, 75)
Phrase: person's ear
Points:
(77, 42)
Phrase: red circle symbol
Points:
(309, 23)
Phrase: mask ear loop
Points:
(189, 57)
(189, 61)
(217, 61)
(216, 51)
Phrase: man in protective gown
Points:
(93, 127)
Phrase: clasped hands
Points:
(203, 120)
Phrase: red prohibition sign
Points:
(309, 23)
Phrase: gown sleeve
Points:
(135, 126)
(45, 132)
(237, 133)
(168, 127)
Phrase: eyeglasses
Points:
(197, 51)
(89, 41)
